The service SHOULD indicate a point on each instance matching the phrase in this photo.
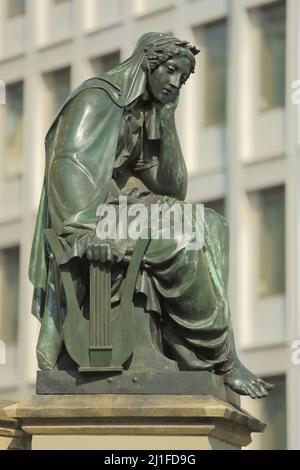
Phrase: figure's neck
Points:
(146, 98)
(144, 101)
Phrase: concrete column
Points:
(233, 171)
(293, 221)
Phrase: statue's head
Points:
(169, 66)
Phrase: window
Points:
(9, 294)
(272, 411)
(103, 13)
(12, 162)
(105, 63)
(271, 20)
(215, 68)
(15, 8)
(218, 205)
(142, 7)
(271, 241)
(58, 84)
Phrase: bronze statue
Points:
(116, 136)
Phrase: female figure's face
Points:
(166, 80)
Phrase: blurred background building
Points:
(238, 129)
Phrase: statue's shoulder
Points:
(98, 85)
(94, 92)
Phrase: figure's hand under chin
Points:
(172, 105)
(169, 109)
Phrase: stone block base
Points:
(115, 422)
(12, 437)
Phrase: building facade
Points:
(238, 120)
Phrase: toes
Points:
(251, 391)
(242, 390)
(267, 386)
(259, 389)
(263, 392)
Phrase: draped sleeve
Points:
(80, 160)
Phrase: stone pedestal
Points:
(115, 422)
(12, 437)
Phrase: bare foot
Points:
(243, 382)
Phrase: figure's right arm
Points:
(80, 159)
